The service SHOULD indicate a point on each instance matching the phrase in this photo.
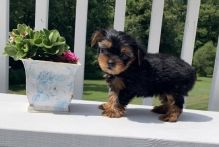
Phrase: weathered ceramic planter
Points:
(49, 85)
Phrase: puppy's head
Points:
(117, 51)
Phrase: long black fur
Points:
(157, 74)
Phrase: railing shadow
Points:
(140, 115)
(85, 109)
(146, 116)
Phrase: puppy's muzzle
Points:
(111, 64)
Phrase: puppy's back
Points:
(171, 72)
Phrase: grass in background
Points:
(96, 90)
(199, 96)
(17, 89)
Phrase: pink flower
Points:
(70, 57)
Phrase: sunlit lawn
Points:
(198, 97)
(97, 90)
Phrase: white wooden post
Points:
(214, 96)
(155, 26)
(119, 18)
(41, 14)
(80, 43)
(4, 29)
(155, 33)
(190, 30)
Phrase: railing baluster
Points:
(119, 18)
(214, 96)
(155, 26)
(155, 33)
(4, 29)
(190, 30)
(80, 42)
(41, 14)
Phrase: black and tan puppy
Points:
(130, 72)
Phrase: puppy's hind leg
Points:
(175, 106)
(163, 108)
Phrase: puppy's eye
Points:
(103, 51)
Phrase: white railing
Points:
(41, 14)
(84, 126)
(214, 97)
(4, 28)
(155, 33)
(41, 21)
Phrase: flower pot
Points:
(49, 85)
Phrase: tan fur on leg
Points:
(173, 112)
(112, 108)
(163, 108)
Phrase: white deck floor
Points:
(84, 126)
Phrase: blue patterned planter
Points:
(49, 85)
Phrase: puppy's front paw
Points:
(113, 113)
(102, 106)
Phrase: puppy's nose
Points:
(111, 63)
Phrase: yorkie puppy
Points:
(130, 72)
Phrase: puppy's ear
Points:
(97, 37)
(140, 57)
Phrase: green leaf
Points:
(21, 28)
(31, 34)
(10, 50)
(61, 49)
(18, 45)
(60, 41)
(46, 32)
(47, 44)
(20, 54)
(52, 51)
(54, 35)
(26, 48)
(37, 35)
(15, 32)
(28, 30)
(18, 39)
(67, 47)
(38, 42)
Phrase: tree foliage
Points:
(204, 59)
(138, 23)
(208, 23)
